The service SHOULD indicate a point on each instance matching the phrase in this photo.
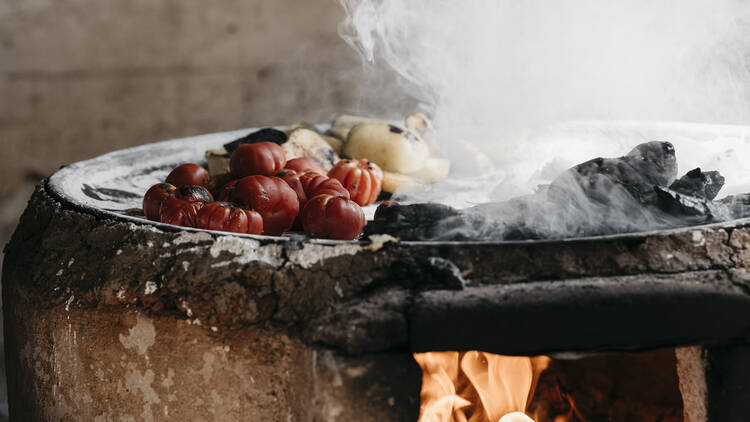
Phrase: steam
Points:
(489, 62)
(530, 83)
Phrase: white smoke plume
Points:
(525, 62)
(511, 76)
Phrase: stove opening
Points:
(474, 386)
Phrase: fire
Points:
(476, 386)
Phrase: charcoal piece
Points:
(384, 196)
(679, 204)
(411, 222)
(267, 134)
(656, 160)
(647, 165)
(599, 197)
(515, 219)
(699, 183)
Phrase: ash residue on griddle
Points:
(107, 194)
(636, 192)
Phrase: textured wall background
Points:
(83, 77)
(79, 78)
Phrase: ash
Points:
(639, 191)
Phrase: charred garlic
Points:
(307, 143)
(393, 148)
(419, 123)
(343, 123)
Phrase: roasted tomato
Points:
(194, 194)
(189, 174)
(229, 218)
(362, 178)
(179, 212)
(276, 202)
(153, 198)
(218, 181)
(303, 165)
(292, 178)
(333, 217)
(225, 193)
(264, 158)
(315, 184)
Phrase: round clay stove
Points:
(109, 316)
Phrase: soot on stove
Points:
(639, 191)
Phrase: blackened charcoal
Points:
(411, 222)
(384, 196)
(656, 160)
(699, 183)
(679, 204)
(647, 165)
(263, 135)
(602, 196)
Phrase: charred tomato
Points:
(263, 158)
(154, 197)
(228, 217)
(194, 194)
(218, 181)
(292, 178)
(362, 178)
(179, 212)
(303, 165)
(315, 184)
(189, 174)
(333, 217)
(272, 198)
(225, 193)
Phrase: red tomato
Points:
(304, 165)
(225, 193)
(315, 184)
(153, 198)
(276, 202)
(189, 174)
(229, 218)
(194, 194)
(333, 217)
(362, 178)
(218, 181)
(178, 212)
(292, 178)
(264, 158)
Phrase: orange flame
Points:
(476, 386)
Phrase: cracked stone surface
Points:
(98, 309)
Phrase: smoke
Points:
(522, 64)
(508, 78)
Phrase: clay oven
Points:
(111, 318)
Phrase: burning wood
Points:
(476, 386)
(636, 192)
